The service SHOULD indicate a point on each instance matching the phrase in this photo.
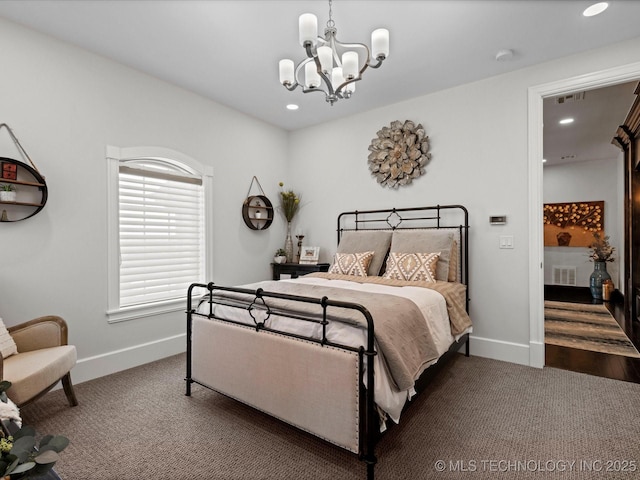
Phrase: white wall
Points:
(65, 105)
(586, 181)
(479, 136)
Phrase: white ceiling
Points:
(596, 119)
(229, 50)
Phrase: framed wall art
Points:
(572, 224)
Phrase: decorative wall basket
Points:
(399, 153)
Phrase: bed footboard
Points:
(256, 368)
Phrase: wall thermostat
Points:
(498, 220)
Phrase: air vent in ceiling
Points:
(572, 97)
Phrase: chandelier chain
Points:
(330, 22)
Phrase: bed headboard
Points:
(416, 218)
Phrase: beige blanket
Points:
(401, 332)
(453, 293)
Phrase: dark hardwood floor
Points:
(594, 363)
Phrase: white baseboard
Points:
(536, 354)
(500, 350)
(107, 363)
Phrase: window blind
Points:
(161, 222)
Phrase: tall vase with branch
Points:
(289, 205)
(601, 253)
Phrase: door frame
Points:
(536, 94)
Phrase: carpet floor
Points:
(587, 327)
(479, 419)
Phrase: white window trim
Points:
(115, 156)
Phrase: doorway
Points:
(537, 95)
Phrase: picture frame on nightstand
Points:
(309, 255)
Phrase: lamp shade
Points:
(350, 65)
(337, 78)
(311, 76)
(380, 43)
(286, 71)
(308, 28)
(325, 55)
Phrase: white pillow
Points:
(7, 345)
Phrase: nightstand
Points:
(296, 269)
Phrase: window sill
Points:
(140, 311)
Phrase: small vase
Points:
(288, 244)
(598, 276)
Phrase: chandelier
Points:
(331, 67)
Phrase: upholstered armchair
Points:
(43, 359)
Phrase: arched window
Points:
(158, 232)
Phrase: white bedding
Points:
(390, 400)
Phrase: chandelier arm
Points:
(291, 87)
(377, 65)
(339, 91)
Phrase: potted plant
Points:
(280, 256)
(7, 192)
(20, 455)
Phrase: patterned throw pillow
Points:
(7, 345)
(355, 264)
(412, 266)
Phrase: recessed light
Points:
(566, 121)
(544, 160)
(595, 9)
(292, 106)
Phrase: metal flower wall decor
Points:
(399, 153)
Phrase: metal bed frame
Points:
(434, 217)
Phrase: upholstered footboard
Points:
(310, 386)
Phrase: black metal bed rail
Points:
(369, 427)
(396, 214)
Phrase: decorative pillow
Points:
(376, 241)
(429, 240)
(351, 263)
(412, 266)
(7, 345)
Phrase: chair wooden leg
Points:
(68, 390)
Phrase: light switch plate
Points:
(506, 241)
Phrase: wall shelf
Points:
(257, 212)
(31, 191)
